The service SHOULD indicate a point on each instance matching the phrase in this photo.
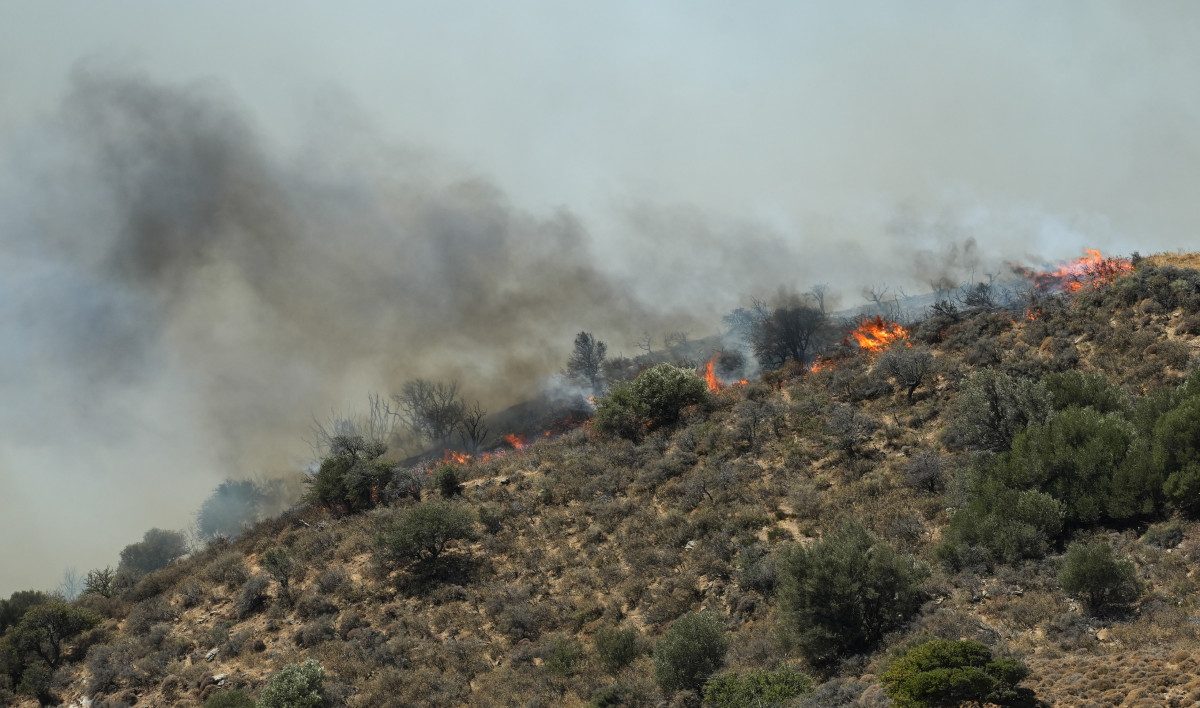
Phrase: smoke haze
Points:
(211, 232)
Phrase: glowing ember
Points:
(517, 442)
(710, 375)
(820, 364)
(877, 334)
(1092, 270)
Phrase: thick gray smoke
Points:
(181, 295)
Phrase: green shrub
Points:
(756, 689)
(617, 647)
(45, 629)
(842, 594)
(1076, 389)
(652, 400)
(421, 533)
(279, 565)
(1092, 574)
(1167, 534)
(947, 673)
(15, 607)
(1000, 525)
(447, 482)
(352, 477)
(229, 698)
(295, 686)
(232, 506)
(691, 651)
(156, 549)
(992, 408)
(1176, 454)
(1091, 462)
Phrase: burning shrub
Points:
(1094, 575)
(841, 595)
(943, 672)
(653, 400)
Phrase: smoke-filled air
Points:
(234, 237)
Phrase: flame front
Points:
(877, 334)
(710, 375)
(517, 442)
(1092, 270)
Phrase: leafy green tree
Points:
(44, 629)
(352, 477)
(1176, 453)
(842, 594)
(652, 400)
(992, 408)
(1083, 458)
(157, 548)
(295, 686)
(101, 581)
(941, 672)
(692, 650)
(1093, 574)
(421, 533)
(759, 688)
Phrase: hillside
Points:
(582, 549)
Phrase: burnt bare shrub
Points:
(850, 427)
(252, 597)
(925, 472)
(149, 612)
(228, 569)
(991, 408)
(314, 604)
(331, 580)
(315, 632)
(191, 594)
(1167, 534)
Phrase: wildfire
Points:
(820, 364)
(710, 375)
(455, 457)
(877, 334)
(517, 442)
(1092, 270)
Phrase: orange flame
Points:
(877, 334)
(820, 364)
(710, 375)
(517, 441)
(1092, 270)
(456, 458)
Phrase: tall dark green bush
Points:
(652, 400)
(1176, 452)
(940, 672)
(351, 477)
(842, 594)
(1094, 575)
(999, 524)
(157, 548)
(1091, 462)
(1077, 389)
(421, 533)
(991, 408)
(691, 651)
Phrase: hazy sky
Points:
(693, 152)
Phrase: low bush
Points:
(617, 647)
(940, 672)
(652, 400)
(421, 533)
(295, 686)
(756, 689)
(252, 597)
(229, 698)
